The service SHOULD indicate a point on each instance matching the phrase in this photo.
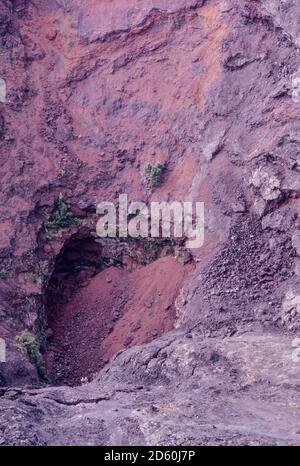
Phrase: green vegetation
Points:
(3, 274)
(62, 173)
(62, 217)
(30, 343)
(178, 21)
(154, 175)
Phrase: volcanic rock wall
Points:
(95, 91)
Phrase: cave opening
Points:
(103, 296)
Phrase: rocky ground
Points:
(138, 342)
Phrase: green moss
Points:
(154, 175)
(178, 21)
(3, 274)
(62, 217)
(62, 173)
(30, 343)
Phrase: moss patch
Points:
(154, 175)
(3, 274)
(62, 217)
(31, 344)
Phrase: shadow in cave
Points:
(86, 297)
(75, 328)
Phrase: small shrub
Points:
(178, 21)
(62, 217)
(30, 343)
(154, 175)
(3, 274)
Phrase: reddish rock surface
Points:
(95, 91)
(116, 310)
(84, 116)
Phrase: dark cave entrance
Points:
(86, 297)
(79, 261)
(70, 333)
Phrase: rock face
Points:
(195, 347)
(179, 390)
